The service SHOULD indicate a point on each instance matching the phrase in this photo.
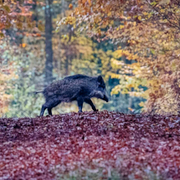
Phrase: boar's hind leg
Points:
(80, 101)
(49, 105)
(88, 101)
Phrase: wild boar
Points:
(80, 88)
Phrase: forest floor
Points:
(90, 145)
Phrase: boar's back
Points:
(69, 88)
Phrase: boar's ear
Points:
(100, 80)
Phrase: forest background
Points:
(133, 44)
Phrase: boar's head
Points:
(100, 91)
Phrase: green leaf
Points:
(6, 8)
(153, 3)
(1, 35)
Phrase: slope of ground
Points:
(90, 145)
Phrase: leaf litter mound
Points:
(90, 144)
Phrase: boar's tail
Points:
(36, 92)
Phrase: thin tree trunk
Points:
(59, 44)
(48, 42)
(35, 15)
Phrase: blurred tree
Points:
(48, 42)
(72, 53)
(7, 74)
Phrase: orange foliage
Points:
(70, 6)
(12, 14)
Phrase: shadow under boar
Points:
(78, 88)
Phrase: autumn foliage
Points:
(14, 14)
(97, 145)
(7, 73)
(147, 33)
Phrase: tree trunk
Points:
(48, 42)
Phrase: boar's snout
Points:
(105, 98)
(101, 95)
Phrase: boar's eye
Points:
(101, 87)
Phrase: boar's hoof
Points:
(48, 115)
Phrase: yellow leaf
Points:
(121, 26)
(109, 14)
(139, 17)
(163, 2)
(41, 27)
(141, 104)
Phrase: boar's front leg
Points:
(80, 101)
(50, 111)
(44, 106)
(43, 109)
(88, 101)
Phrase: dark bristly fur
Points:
(77, 87)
